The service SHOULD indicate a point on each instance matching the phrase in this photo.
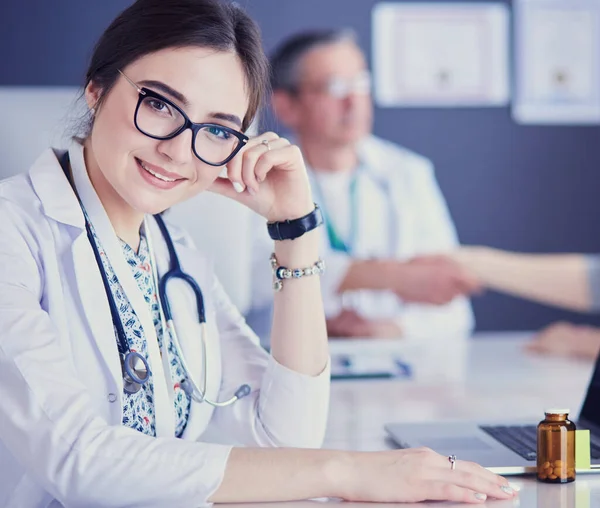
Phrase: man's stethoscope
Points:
(134, 366)
(336, 243)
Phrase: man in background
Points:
(381, 203)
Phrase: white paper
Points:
(440, 54)
(558, 62)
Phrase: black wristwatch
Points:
(292, 229)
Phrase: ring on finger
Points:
(452, 460)
(266, 143)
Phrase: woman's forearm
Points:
(280, 474)
(298, 334)
(555, 279)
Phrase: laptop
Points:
(504, 448)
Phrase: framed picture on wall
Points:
(440, 54)
(557, 54)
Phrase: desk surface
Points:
(485, 378)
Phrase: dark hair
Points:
(148, 26)
(286, 58)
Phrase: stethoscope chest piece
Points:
(136, 372)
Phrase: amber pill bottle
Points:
(556, 447)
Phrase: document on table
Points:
(354, 366)
(440, 54)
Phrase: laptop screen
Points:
(591, 407)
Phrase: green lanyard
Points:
(335, 240)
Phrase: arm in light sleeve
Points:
(48, 421)
(285, 408)
(434, 233)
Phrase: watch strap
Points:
(295, 228)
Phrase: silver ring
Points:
(452, 459)
(266, 143)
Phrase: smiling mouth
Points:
(157, 175)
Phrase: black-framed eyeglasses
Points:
(159, 118)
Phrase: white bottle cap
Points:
(554, 411)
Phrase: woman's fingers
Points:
(468, 477)
(472, 476)
(443, 462)
(254, 146)
(419, 474)
(474, 481)
(282, 158)
(447, 491)
(262, 169)
(225, 187)
(251, 158)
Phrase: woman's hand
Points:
(414, 475)
(273, 176)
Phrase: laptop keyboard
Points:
(522, 439)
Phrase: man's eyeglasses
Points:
(340, 88)
(159, 118)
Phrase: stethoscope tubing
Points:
(175, 272)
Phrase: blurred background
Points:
(520, 187)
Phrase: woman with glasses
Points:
(119, 349)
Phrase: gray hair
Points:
(287, 56)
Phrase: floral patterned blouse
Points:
(138, 408)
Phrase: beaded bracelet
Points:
(281, 272)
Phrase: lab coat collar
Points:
(56, 195)
(370, 157)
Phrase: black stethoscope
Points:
(134, 366)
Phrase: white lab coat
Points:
(418, 222)
(61, 436)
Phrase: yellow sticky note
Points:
(582, 495)
(582, 449)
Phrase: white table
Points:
(485, 378)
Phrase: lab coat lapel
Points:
(109, 240)
(60, 203)
(95, 305)
(165, 420)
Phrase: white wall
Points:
(35, 118)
